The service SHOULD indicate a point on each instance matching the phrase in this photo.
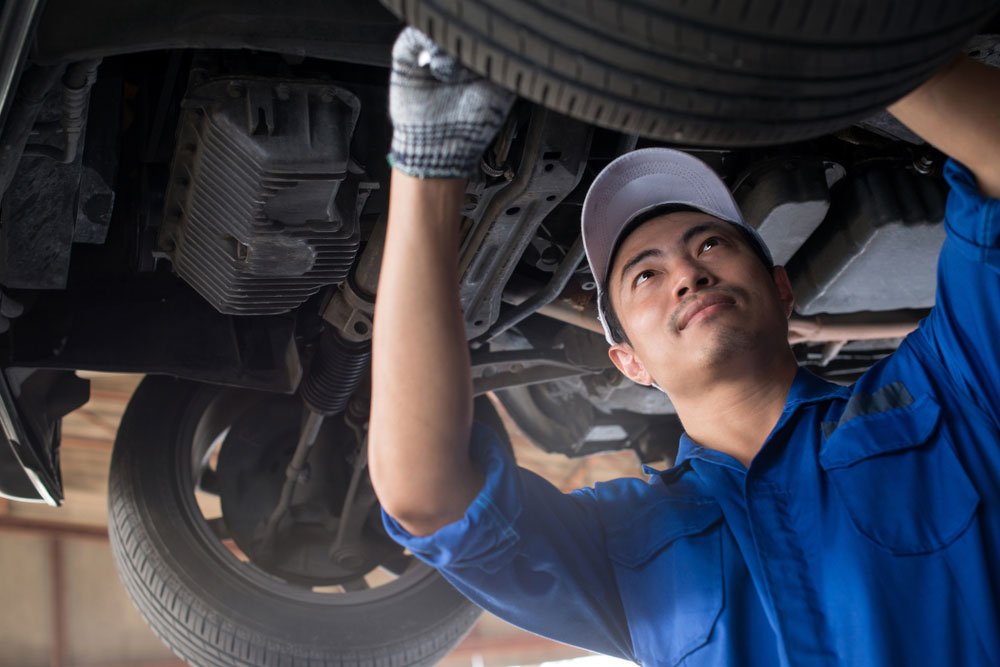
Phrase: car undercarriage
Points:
(198, 192)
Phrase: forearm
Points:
(958, 112)
(421, 388)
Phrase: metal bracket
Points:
(350, 314)
(552, 162)
(518, 368)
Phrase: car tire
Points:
(753, 72)
(213, 609)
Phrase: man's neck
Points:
(735, 414)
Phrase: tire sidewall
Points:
(173, 563)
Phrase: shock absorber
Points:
(344, 350)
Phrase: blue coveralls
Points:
(865, 532)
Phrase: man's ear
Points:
(784, 286)
(623, 357)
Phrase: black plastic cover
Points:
(32, 404)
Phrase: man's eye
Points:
(709, 243)
(641, 277)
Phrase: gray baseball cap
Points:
(640, 181)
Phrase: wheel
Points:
(709, 73)
(196, 471)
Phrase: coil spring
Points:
(335, 373)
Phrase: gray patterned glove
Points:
(443, 115)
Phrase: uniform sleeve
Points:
(963, 330)
(530, 554)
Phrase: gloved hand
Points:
(443, 115)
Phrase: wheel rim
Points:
(202, 434)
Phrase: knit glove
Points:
(443, 115)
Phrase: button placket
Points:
(793, 601)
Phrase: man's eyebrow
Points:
(648, 252)
(699, 229)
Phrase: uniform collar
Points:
(806, 388)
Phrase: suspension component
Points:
(336, 371)
(311, 424)
(79, 79)
(77, 82)
(344, 351)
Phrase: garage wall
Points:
(96, 624)
(26, 611)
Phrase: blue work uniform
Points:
(866, 531)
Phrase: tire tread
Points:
(715, 77)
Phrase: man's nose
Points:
(692, 277)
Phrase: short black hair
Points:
(604, 304)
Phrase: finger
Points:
(410, 46)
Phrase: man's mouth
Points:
(703, 306)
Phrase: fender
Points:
(32, 404)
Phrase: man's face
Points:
(694, 300)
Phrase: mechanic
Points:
(804, 523)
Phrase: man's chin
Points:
(722, 345)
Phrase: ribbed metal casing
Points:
(261, 210)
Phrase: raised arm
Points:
(421, 388)
(958, 112)
(443, 119)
